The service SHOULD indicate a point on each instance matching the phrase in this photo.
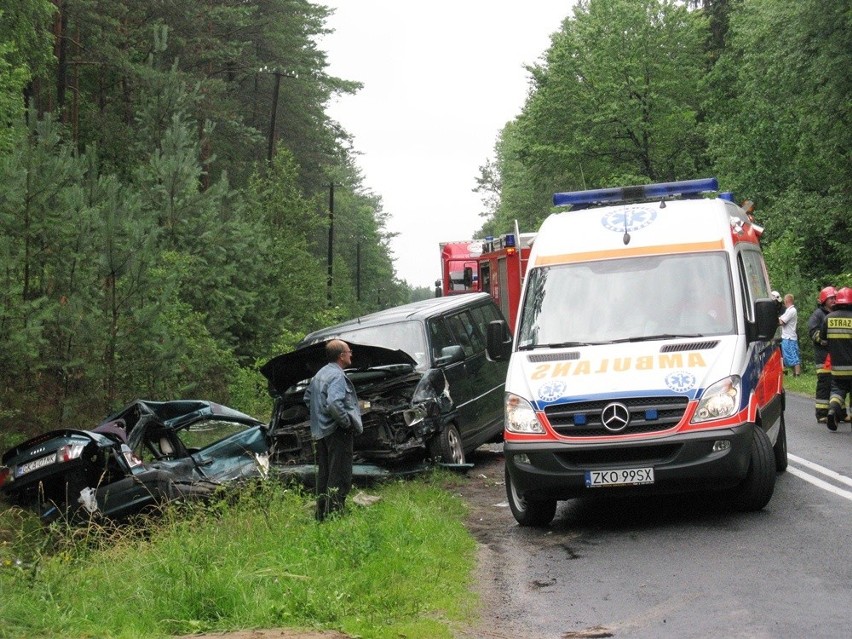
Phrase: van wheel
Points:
(756, 489)
(780, 447)
(446, 446)
(526, 511)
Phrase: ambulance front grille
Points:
(612, 455)
(647, 415)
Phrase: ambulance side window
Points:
(753, 279)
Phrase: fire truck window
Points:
(485, 277)
(439, 337)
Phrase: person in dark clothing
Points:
(837, 331)
(335, 420)
(825, 304)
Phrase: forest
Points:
(754, 92)
(174, 196)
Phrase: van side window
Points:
(466, 333)
(439, 337)
(484, 315)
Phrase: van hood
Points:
(303, 363)
(651, 368)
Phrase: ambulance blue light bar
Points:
(640, 192)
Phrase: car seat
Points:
(166, 448)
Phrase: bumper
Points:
(681, 463)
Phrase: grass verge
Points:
(398, 568)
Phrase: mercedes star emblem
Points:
(615, 417)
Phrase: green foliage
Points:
(755, 92)
(780, 125)
(25, 49)
(616, 101)
(257, 561)
(147, 247)
(12, 81)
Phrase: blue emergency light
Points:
(640, 192)
(510, 240)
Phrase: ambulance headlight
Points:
(520, 416)
(720, 400)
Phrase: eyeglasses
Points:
(346, 353)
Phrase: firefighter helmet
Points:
(844, 296)
(824, 294)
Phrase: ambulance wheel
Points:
(446, 446)
(756, 489)
(780, 447)
(526, 511)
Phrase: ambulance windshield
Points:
(636, 298)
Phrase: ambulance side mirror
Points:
(498, 341)
(765, 320)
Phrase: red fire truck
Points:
(502, 266)
(459, 267)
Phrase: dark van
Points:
(437, 395)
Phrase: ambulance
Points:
(645, 357)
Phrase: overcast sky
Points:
(441, 78)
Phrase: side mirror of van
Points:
(765, 320)
(498, 341)
(450, 355)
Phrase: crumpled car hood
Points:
(284, 371)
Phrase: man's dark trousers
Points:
(334, 471)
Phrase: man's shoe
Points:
(831, 421)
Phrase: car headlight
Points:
(520, 416)
(719, 401)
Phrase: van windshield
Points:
(636, 298)
(406, 336)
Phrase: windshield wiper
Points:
(648, 338)
(528, 347)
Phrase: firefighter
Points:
(825, 304)
(837, 331)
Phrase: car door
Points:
(481, 404)
(442, 342)
(491, 374)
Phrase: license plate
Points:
(620, 477)
(29, 467)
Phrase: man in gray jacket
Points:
(335, 420)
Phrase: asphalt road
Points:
(680, 567)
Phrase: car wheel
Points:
(756, 489)
(780, 447)
(446, 446)
(526, 511)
